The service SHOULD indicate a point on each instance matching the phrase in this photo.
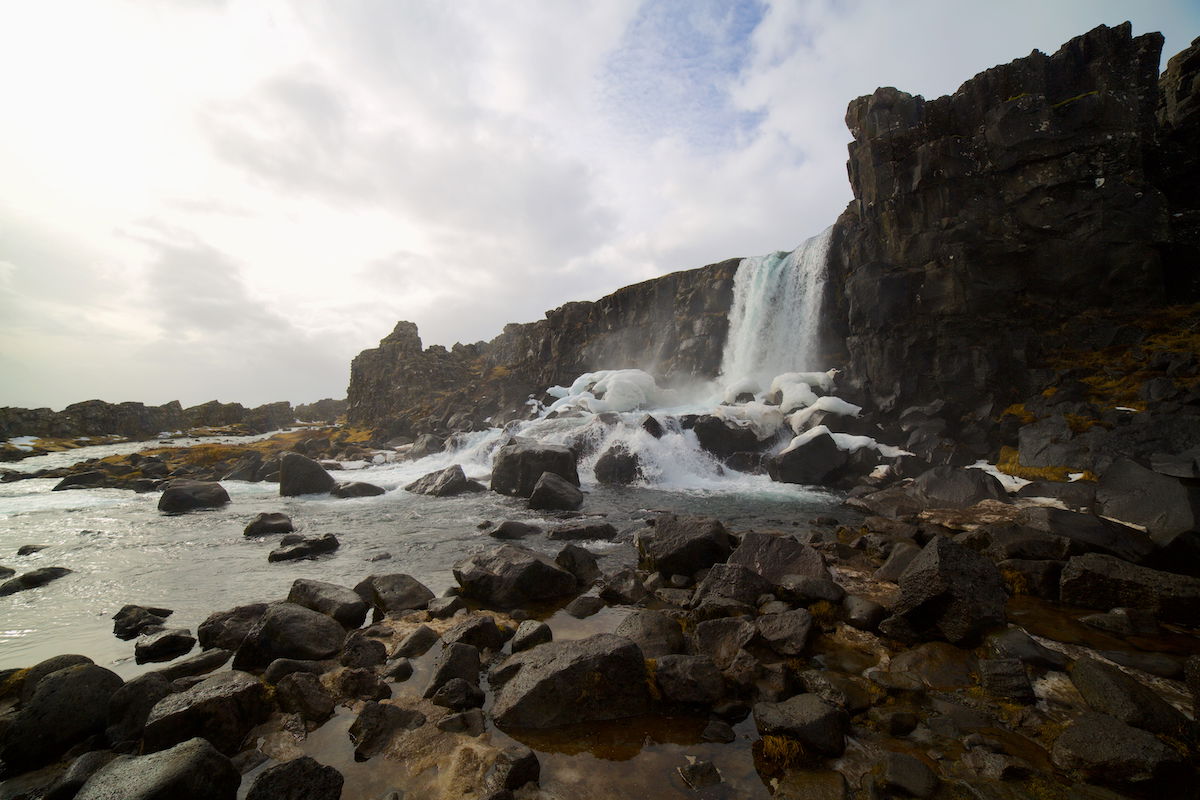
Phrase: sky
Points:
(228, 199)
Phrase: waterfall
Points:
(775, 321)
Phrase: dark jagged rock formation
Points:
(985, 218)
(673, 326)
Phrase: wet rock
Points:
(511, 576)
(948, 591)
(398, 669)
(309, 547)
(655, 633)
(32, 580)
(554, 493)
(221, 709)
(775, 556)
(690, 680)
(718, 731)
(131, 620)
(512, 529)
(447, 482)
(299, 779)
(1016, 643)
(811, 785)
(618, 466)
(599, 678)
(580, 563)
(1110, 691)
(897, 561)
(519, 465)
(164, 645)
(129, 706)
(377, 723)
(67, 706)
(300, 475)
(1099, 748)
(1099, 581)
(34, 674)
(457, 694)
(245, 468)
(417, 643)
(584, 607)
(516, 765)
(287, 630)
(280, 668)
(1035, 578)
(862, 613)
(227, 629)
(814, 462)
(1086, 533)
(360, 683)
(67, 785)
(191, 770)
(470, 722)
(847, 692)
(82, 480)
(360, 651)
(908, 774)
(956, 487)
(339, 602)
(787, 633)
(939, 665)
(733, 582)
(268, 522)
(806, 718)
(445, 607)
(699, 774)
(481, 632)
(721, 639)
(582, 530)
(455, 661)
(684, 545)
(1076, 495)
(894, 723)
(1154, 663)
(6, 572)
(1006, 677)
(531, 633)
(182, 495)
(303, 693)
(393, 594)
(623, 587)
(1163, 505)
(353, 489)
(723, 438)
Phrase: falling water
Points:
(775, 321)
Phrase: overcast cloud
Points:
(231, 199)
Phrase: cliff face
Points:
(673, 327)
(984, 218)
(138, 421)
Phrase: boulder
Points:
(269, 522)
(362, 651)
(359, 683)
(775, 556)
(948, 591)
(816, 724)
(582, 530)
(129, 706)
(908, 775)
(554, 493)
(1006, 677)
(280, 668)
(531, 633)
(732, 582)
(457, 694)
(191, 770)
(689, 680)
(339, 602)
(1163, 505)
(617, 466)
(67, 706)
(513, 529)
(456, 661)
(480, 632)
(32, 580)
(813, 462)
(1085, 533)
(445, 607)
(602, 677)
(164, 645)
(722, 639)
(221, 709)
(580, 563)
(723, 438)
(623, 588)
(683, 545)
(1098, 748)
(1098, 581)
(287, 630)
(377, 723)
(1110, 691)
(131, 620)
(1016, 643)
(245, 468)
(299, 779)
(301, 475)
(786, 633)
(509, 576)
(356, 489)
(394, 593)
(519, 465)
(67, 785)
(227, 629)
(655, 633)
(956, 487)
(417, 643)
(446, 482)
(182, 495)
(199, 664)
(307, 547)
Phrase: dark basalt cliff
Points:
(138, 421)
(673, 327)
(981, 220)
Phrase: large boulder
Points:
(1111, 691)
(227, 629)
(445, 483)
(775, 556)
(509, 576)
(287, 630)
(131, 620)
(819, 726)
(164, 645)
(520, 463)
(307, 547)
(299, 779)
(949, 592)
(599, 678)
(1098, 581)
(357, 489)
(1087, 533)
(723, 438)
(32, 580)
(1161, 504)
(731, 582)
(956, 487)
(301, 475)
(221, 709)
(654, 632)
(683, 545)
(191, 770)
(67, 706)
(691, 680)
(618, 466)
(303, 693)
(339, 602)
(394, 593)
(812, 461)
(129, 706)
(1101, 749)
(269, 522)
(182, 495)
(554, 493)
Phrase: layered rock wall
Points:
(138, 421)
